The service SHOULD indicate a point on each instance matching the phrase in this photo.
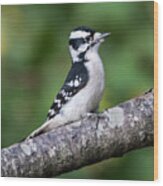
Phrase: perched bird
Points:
(84, 85)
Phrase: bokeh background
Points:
(35, 61)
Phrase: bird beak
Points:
(103, 35)
(99, 37)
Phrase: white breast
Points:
(88, 98)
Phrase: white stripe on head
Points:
(78, 34)
(83, 47)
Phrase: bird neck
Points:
(82, 57)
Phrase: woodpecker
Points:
(84, 85)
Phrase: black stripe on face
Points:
(75, 43)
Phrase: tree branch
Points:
(96, 137)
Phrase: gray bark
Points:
(96, 137)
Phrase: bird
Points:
(84, 85)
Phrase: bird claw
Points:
(89, 115)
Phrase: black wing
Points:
(77, 78)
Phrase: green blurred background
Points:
(35, 61)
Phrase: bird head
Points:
(83, 40)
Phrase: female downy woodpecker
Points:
(84, 85)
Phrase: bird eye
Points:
(87, 38)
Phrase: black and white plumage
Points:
(77, 78)
(84, 85)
